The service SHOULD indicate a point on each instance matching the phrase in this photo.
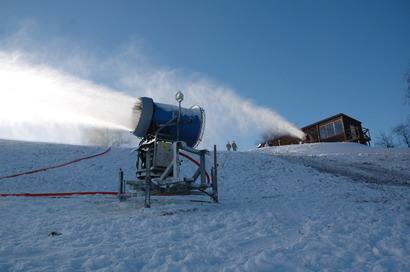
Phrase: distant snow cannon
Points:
(157, 120)
(166, 130)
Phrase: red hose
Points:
(61, 194)
(78, 193)
(56, 166)
(196, 163)
(68, 194)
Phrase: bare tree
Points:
(402, 131)
(385, 140)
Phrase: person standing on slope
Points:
(228, 146)
(234, 146)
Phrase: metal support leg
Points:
(148, 180)
(176, 160)
(215, 177)
(121, 185)
(202, 169)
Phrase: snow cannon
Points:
(169, 135)
(168, 122)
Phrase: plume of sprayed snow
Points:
(54, 101)
(38, 103)
(228, 116)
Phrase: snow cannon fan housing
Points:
(159, 120)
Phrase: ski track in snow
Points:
(277, 213)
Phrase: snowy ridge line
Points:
(56, 166)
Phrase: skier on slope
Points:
(228, 146)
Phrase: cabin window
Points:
(331, 129)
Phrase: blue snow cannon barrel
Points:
(156, 118)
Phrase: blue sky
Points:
(306, 60)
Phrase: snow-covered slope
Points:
(356, 161)
(295, 208)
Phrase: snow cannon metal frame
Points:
(166, 130)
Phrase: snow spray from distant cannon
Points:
(40, 103)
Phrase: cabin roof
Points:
(330, 118)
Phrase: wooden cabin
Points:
(338, 128)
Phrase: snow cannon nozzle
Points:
(168, 122)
